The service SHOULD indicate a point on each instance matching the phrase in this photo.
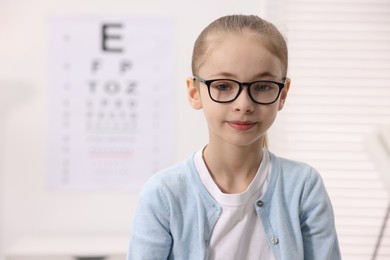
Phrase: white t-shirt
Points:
(239, 233)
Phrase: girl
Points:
(234, 199)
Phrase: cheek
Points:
(268, 113)
(214, 114)
(211, 112)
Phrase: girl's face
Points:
(242, 57)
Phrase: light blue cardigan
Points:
(176, 215)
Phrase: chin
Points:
(245, 142)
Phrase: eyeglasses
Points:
(263, 92)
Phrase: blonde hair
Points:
(271, 37)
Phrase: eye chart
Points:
(111, 101)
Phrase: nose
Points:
(244, 103)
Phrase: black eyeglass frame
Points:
(241, 84)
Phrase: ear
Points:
(283, 94)
(193, 93)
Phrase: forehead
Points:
(243, 54)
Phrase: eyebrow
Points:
(266, 74)
(259, 75)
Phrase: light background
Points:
(340, 67)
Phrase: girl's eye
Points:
(262, 87)
(222, 86)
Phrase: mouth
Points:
(241, 125)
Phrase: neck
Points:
(233, 168)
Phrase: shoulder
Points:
(175, 190)
(171, 181)
(291, 167)
(175, 174)
(295, 175)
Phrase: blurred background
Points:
(336, 118)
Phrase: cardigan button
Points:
(260, 203)
(274, 240)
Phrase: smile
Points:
(241, 126)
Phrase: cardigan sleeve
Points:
(150, 235)
(317, 222)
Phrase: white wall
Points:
(27, 207)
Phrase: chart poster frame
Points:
(111, 100)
